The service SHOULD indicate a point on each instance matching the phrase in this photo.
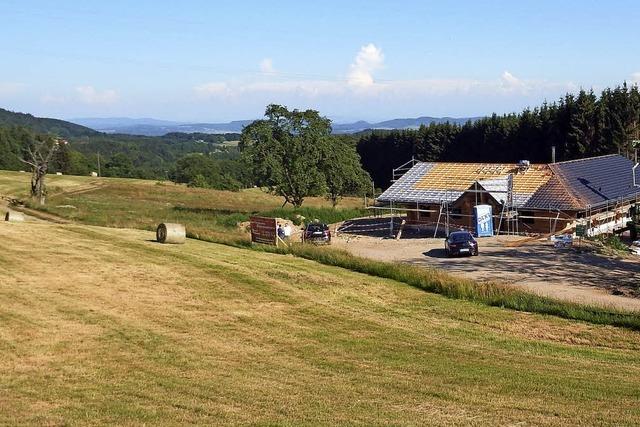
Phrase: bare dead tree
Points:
(38, 157)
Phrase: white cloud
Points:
(502, 86)
(511, 83)
(359, 85)
(90, 95)
(368, 59)
(266, 66)
(237, 90)
(635, 78)
(308, 88)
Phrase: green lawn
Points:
(131, 203)
(103, 326)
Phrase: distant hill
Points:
(153, 127)
(44, 125)
(411, 123)
(99, 123)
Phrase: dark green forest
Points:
(41, 125)
(214, 157)
(581, 125)
(578, 125)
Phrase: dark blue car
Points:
(461, 243)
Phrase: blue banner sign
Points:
(483, 218)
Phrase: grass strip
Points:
(438, 282)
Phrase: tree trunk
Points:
(39, 157)
(297, 201)
(38, 189)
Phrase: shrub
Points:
(198, 181)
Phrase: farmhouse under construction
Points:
(524, 198)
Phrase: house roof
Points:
(567, 185)
(597, 180)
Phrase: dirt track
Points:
(583, 277)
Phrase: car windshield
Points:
(312, 228)
(460, 237)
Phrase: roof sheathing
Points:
(437, 182)
(568, 185)
(404, 189)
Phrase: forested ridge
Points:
(578, 125)
(132, 156)
(57, 127)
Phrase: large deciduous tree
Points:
(342, 171)
(285, 150)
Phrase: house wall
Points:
(461, 215)
(544, 223)
(422, 217)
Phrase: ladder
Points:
(504, 206)
(444, 210)
(555, 223)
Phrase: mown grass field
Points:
(214, 215)
(103, 326)
(130, 203)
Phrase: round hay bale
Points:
(171, 233)
(12, 216)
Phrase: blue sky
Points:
(219, 61)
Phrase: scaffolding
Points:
(509, 212)
(444, 211)
(606, 217)
(553, 216)
(397, 173)
(609, 217)
(508, 217)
